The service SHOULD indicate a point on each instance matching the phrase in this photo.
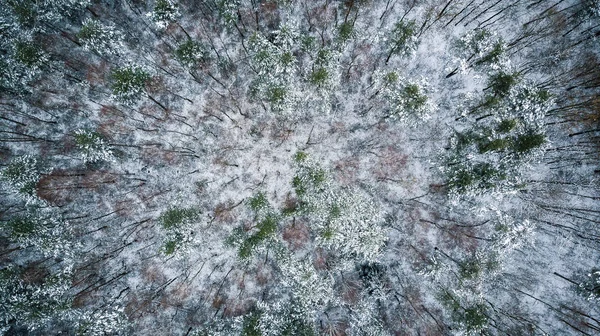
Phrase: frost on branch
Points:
(402, 40)
(507, 134)
(164, 12)
(48, 234)
(177, 226)
(347, 220)
(275, 65)
(22, 175)
(311, 289)
(100, 38)
(589, 287)
(92, 146)
(129, 83)
(100, 322)
(406, 100)
(511, 234)
(480, 49)
(32, 305)
(364, 320)
(191, 53)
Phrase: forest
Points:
(300, 167)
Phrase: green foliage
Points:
(22, 174)
(250, 325)
(403, 37)
(391, 77)
(298, 185)
(273, 60)
(335, 211)
(228, 11)
(25, 11)
(191, 53)
(164, 12)
(464, 139)
(327, 232)
(164, 8)
(481, 176)
(175, 217)
(29, 53)
(345, 31)
(501, 83)
(309, 176)
(589, 286)
(89, 30)
(32, 304)
(93, 146)
(176, 221)
(276, 95)
(493, 56)
(526, 142)
(446, 299)
(300, 156)
(461, 180)
(86, 139)
(172, 244)
(493, 145)
(474, 318)
(129, 82)
(319, 76)
(477, 39)
(470, 268)
(21, 226)
(287, 59)
(265, 229)
(543, 95)
(101, 39)
(298, 327)
(414, 99)
(258, 202)
(323, 56)
(506, 125)
(308, 43)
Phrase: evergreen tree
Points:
(191, 53)
(129, 83)
(590, 285)
(22, 175)
(100, 38)
(93, 147)
(164, 13)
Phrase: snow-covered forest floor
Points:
(287, 167)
